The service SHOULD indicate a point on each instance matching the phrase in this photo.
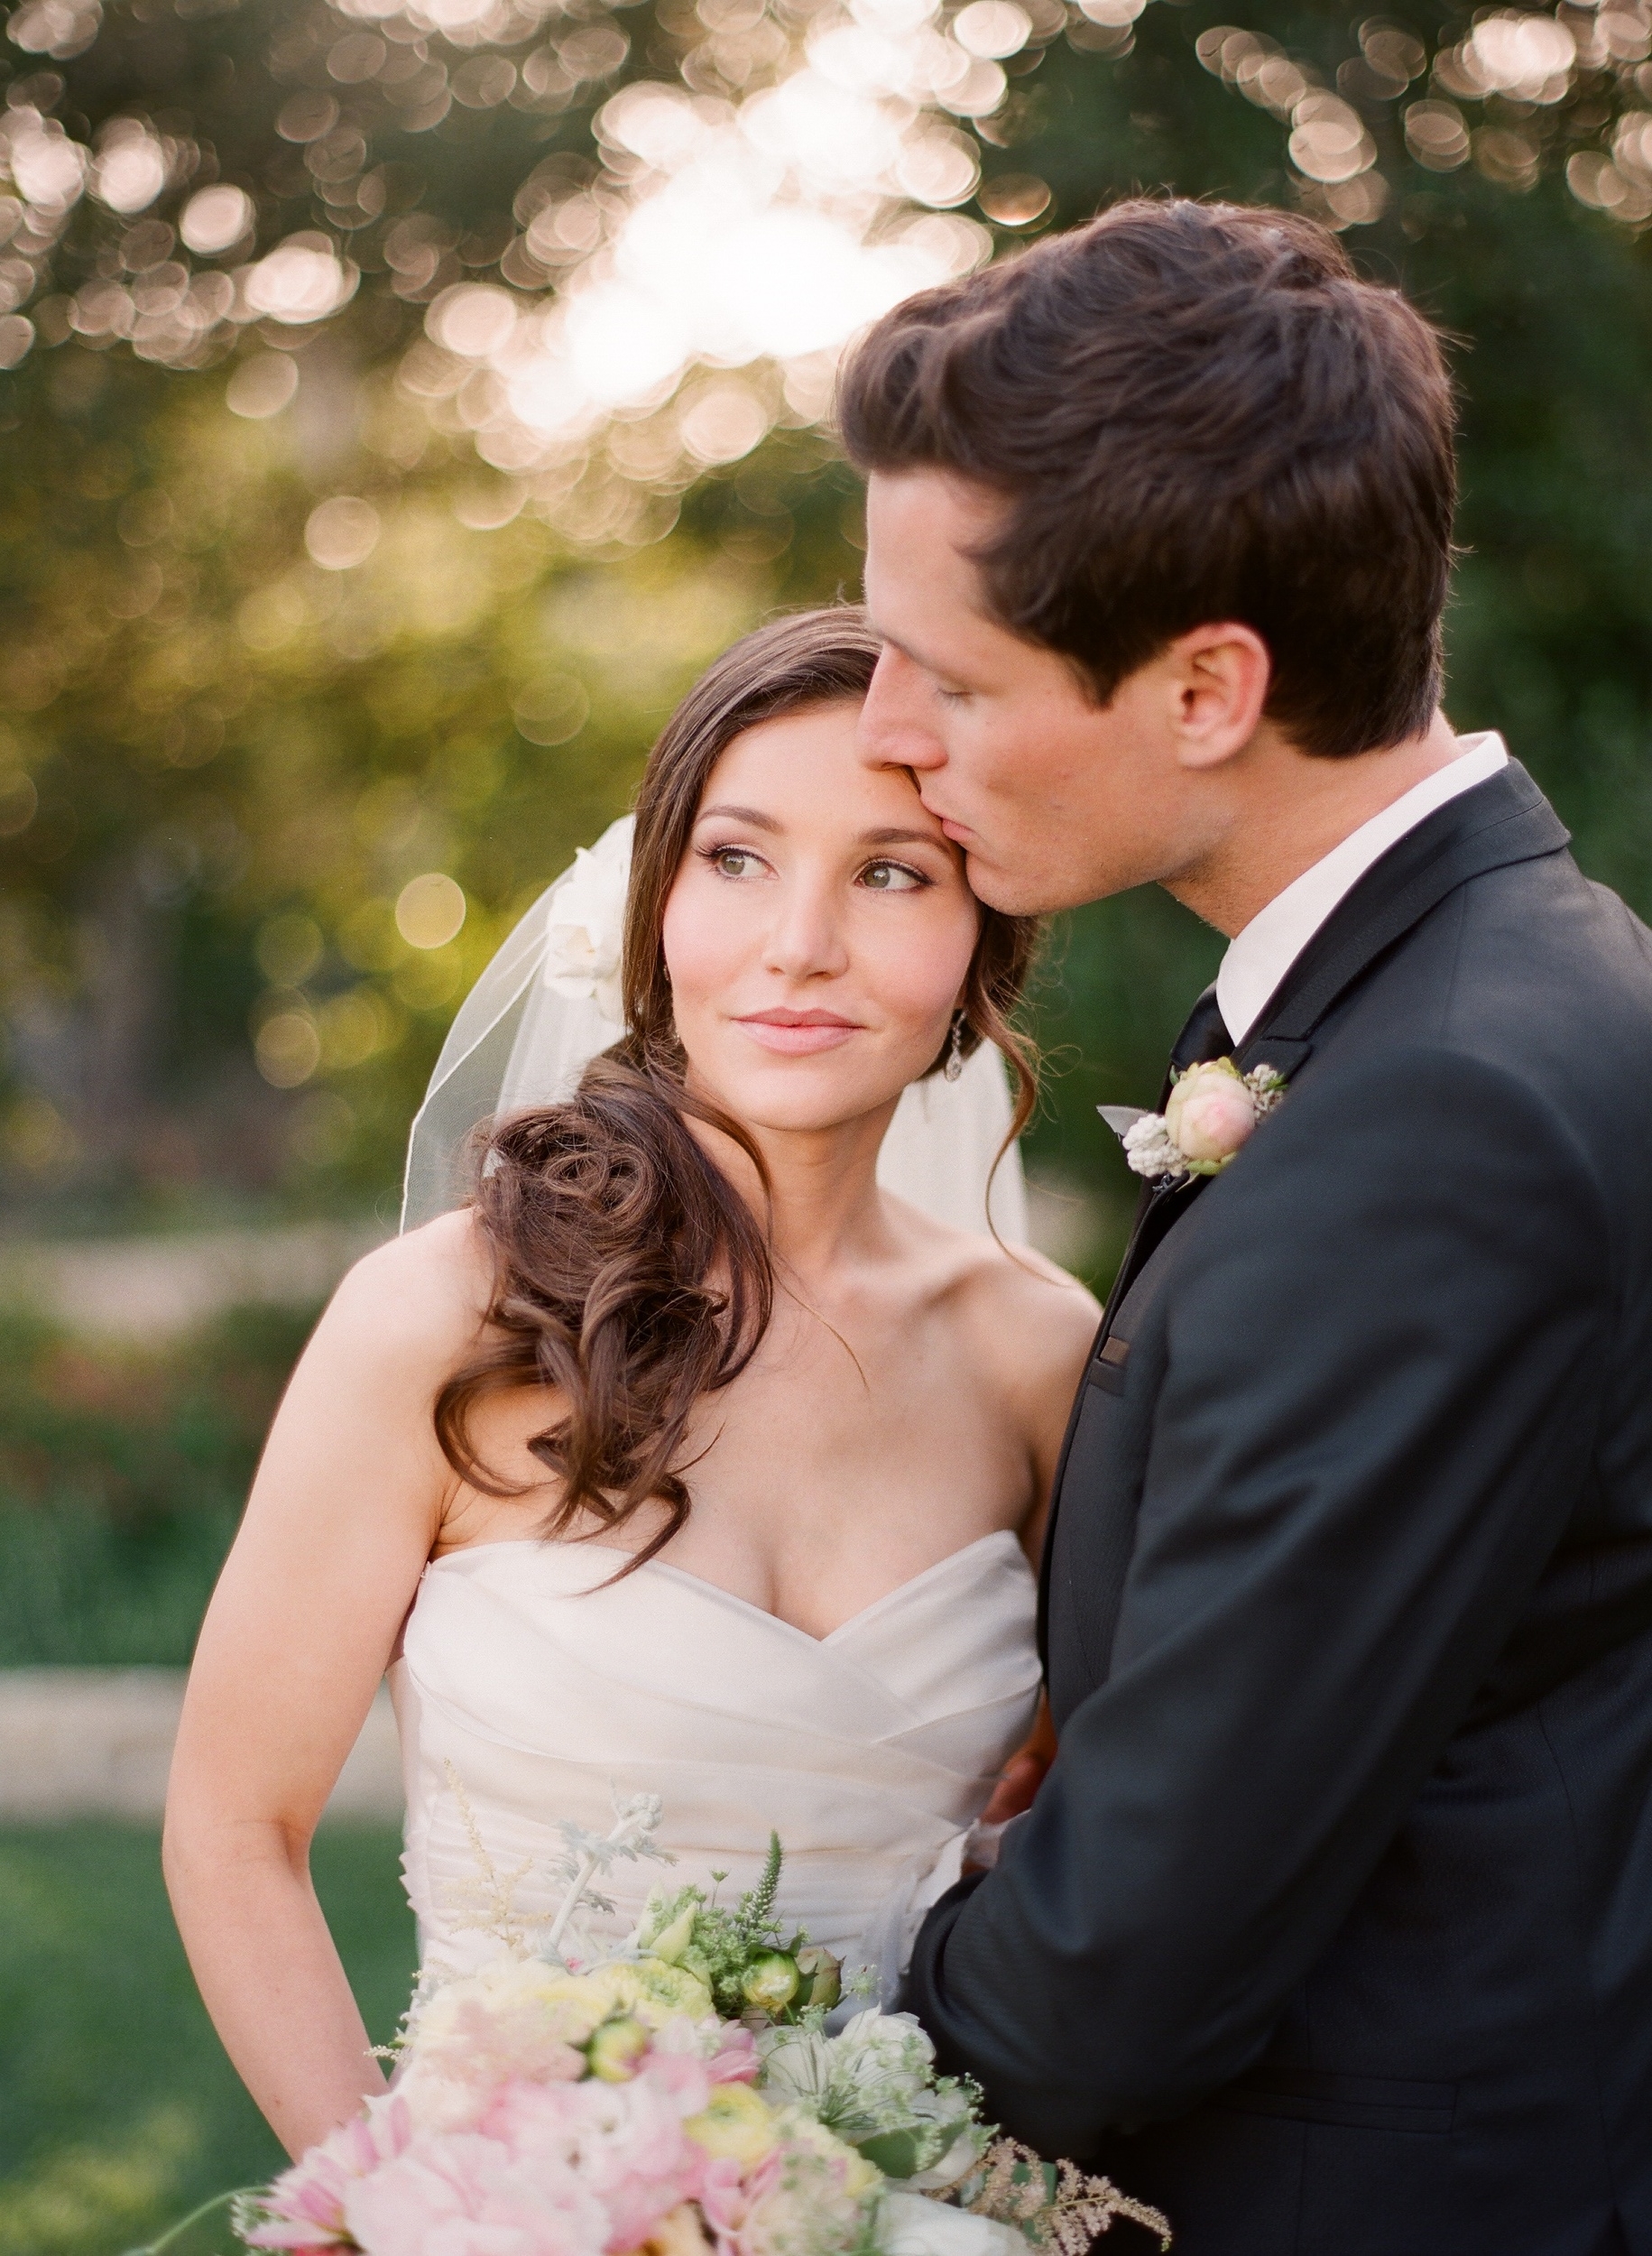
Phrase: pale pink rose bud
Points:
(1211, 1112)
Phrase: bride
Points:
(682, 1458)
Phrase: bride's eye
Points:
(734, 861)
(891, 877)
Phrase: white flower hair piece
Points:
(585, 925)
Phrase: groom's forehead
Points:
(931, 507)
(924, 529)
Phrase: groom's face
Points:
(1054, 798)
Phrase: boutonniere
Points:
(1212, 1114)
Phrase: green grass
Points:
(118, 2110)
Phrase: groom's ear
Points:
(1217, 679)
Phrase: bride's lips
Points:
(798, 1034)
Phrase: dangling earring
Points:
(954, 1049)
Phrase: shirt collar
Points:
(1259, 957)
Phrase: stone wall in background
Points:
(82, 1742)
(148, 1288)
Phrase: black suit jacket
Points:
(1331, 1930)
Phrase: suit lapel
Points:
(1504, 821)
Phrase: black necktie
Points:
(1202, 1038)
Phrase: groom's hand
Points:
(1023, 1774)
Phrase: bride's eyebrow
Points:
(887, 836)
(753, 814)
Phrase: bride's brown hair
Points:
(629, 1274)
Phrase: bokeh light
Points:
(131, 169)
(262, 387)
(1437, 136)
(1015, 200)
(992, 29)
(430, 910)
(342, 533)
(216, 219)
(302, 279)
(287, 1047)
(551, 709)
(289, 948)
(1529, 57)
(756, 189)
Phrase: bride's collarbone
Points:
(830, 1433)
(787, 1486)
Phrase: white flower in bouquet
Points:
(875, 2086)
(911, 2224)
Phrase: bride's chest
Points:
(815, 1492)
(833, 1469)
(887, 1409)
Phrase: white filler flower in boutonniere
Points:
(1211, 1115)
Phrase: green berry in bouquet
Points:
(739, 1954)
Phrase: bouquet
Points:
(682, 2096)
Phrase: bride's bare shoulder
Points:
(1008, 1293)
(1017, 1293)
(420, 1300)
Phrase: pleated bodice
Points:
(528, 1695)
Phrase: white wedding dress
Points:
(526, 1695)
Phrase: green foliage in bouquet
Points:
(739, 1954)
(873, 2084)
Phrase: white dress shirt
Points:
(1259, 957)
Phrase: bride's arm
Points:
(342, 1518)
(1042, 1331)
(1041, 1335)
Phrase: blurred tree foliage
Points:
(236, 761)
(223, 760)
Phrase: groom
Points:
(1331, 1929)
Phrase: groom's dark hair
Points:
(1192, 412)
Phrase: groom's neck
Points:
(1281, 810)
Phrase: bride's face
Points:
(819, 930)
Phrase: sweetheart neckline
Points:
(732, 1597)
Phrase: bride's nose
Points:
(806, 939)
